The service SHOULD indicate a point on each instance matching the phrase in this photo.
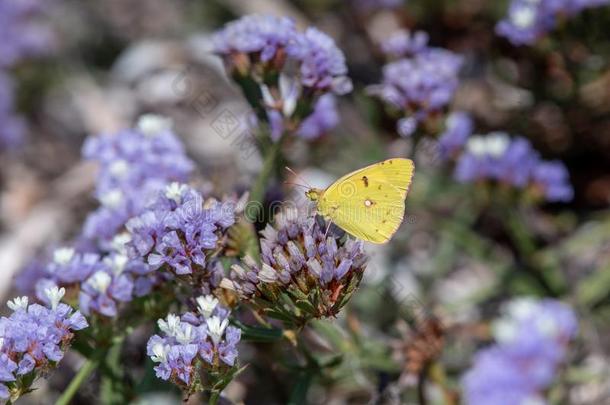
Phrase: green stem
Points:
(257, 195)
(214, 397)
(114, 385)
(82, 375)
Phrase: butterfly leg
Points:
(330, 222)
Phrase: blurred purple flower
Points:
(529, 20)
(458, 127)
(265, 35)
(134, 166)
(403, 43)
(514, 161)
(532, 339)
(322, 62)
(419, 86)
(323, 119)
(554, 180)
(309, 67)
(23, 34)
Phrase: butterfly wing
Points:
(370, 203)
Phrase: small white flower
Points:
(290, 90)
(1, 343)
(268, 97)
(494, 144)
(62, 256)
(227, 284)
(18, 303)
(184, 334)
(497, 143)
(267, 274)
(505, 331)
(112, 199)
(120, 241)
(206, 305)
(175, 190)
(216, 328)
(152, 124)
(54, 295)
(169, 325)
(100, 281)
(523, 17)
(522, 308)
(547, 326)
(119, 168)
(117, 263)
(159, 352)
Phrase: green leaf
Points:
(299, 392)
(259, 334)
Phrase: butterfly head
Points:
(314, 194)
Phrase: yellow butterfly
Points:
(368, 203)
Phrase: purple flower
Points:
(68, 266)
(532, 338)
(323, 119)
(528, 20)
(134, 166)
(34, 337)
(264, 35)
(101, 292)
(497, 157)
(4, 392)
(322, 63)
(419, 85)
(404, 43)
(308, 65)
(458, 127)
(178, 229)
(23, 33)
(204, 335)
(296, 254)
(554, 181)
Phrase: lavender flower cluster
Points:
(196, 341)
(101, 281)
(33, 339)
(310, 67)
(179, 230)
(528, 20)
(136, 170)
(135, 164)
(514, 161)
(23, 34)
(298, 257)
(532, 340)
(419, 84)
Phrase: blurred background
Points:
(464, 250)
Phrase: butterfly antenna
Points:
(296, 184)
(298, 177)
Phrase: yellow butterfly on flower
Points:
(368, 203)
